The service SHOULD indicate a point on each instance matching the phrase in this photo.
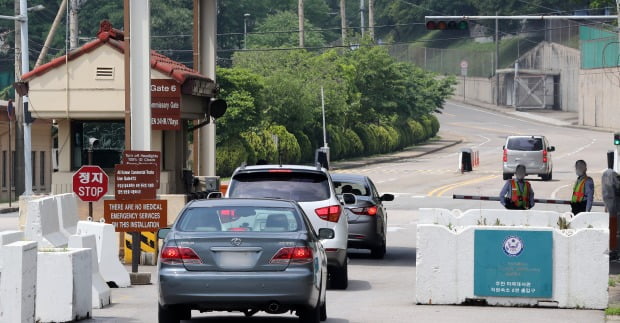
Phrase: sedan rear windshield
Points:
(525, 144)
(356, 188)
(239, 218)
(300, 187)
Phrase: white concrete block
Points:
(18, 282)
(64, 285)
(445, 256)
(439, 274)
(42, 223)
(100, 290)
(67, 213)
(10, 236)
(110, 266)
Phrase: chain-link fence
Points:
(446, 61)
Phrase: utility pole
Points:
(371, 18)
(497, 90)
(343, 21)
(362, 10)
(300, 13)
(73, 25)
(208, 47)
(19, 109)
(50, 35)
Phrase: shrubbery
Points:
(373, 105)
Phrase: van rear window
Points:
(296, 186)
(525, 144)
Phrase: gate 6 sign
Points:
(90, 183)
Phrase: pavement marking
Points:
(438, 192)
(394, 229)
(578, 150)
(555, 192)
(483, 137)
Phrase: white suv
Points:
(313, 189)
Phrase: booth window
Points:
(111, 135)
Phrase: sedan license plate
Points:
(237, 259)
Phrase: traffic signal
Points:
(447, 25)
(617, 138)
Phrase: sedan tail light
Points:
(371, 210)
(292, 255)
(505, 155)
(329, 213)
(179, 256)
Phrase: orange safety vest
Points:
(520, 198)
(579, 190)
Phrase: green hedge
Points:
(363, 140)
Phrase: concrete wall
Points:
(599, 98)
(556, 57)
(480, 89)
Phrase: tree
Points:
(275, 32)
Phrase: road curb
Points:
(387, 160)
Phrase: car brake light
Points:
(292, 255)
(239, 229)
(329, 213)
(280, 171)
(179, 255)
(505, 155)
(371, 210)
(544, 156)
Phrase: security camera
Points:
(93, 142)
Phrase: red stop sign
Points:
(90, 183)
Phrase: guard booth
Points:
(84, 93)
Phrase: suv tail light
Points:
(371, 210)
(179, 255)
(329, 213)
(505, 155)
(545, 156)
(292, 255)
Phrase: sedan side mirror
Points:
(552, 148)
(349, 198)
(387, 197)
(326, 234)
(162, 233)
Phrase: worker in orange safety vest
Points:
(583, 190)
(517, 194)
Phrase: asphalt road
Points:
(384, 290)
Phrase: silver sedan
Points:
(246, 255)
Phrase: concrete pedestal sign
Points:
(513, 263)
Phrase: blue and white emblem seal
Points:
(513, 246)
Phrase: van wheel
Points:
(507, 176)
(339, 277)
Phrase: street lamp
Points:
(245, 30)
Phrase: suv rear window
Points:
(525, 144)
(296, 186)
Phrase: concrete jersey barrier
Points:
(67, 213)
(100, 291)
(573, 274)
(42, 224)
(110, 266)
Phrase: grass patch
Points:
(612, 311)
(612, 282)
